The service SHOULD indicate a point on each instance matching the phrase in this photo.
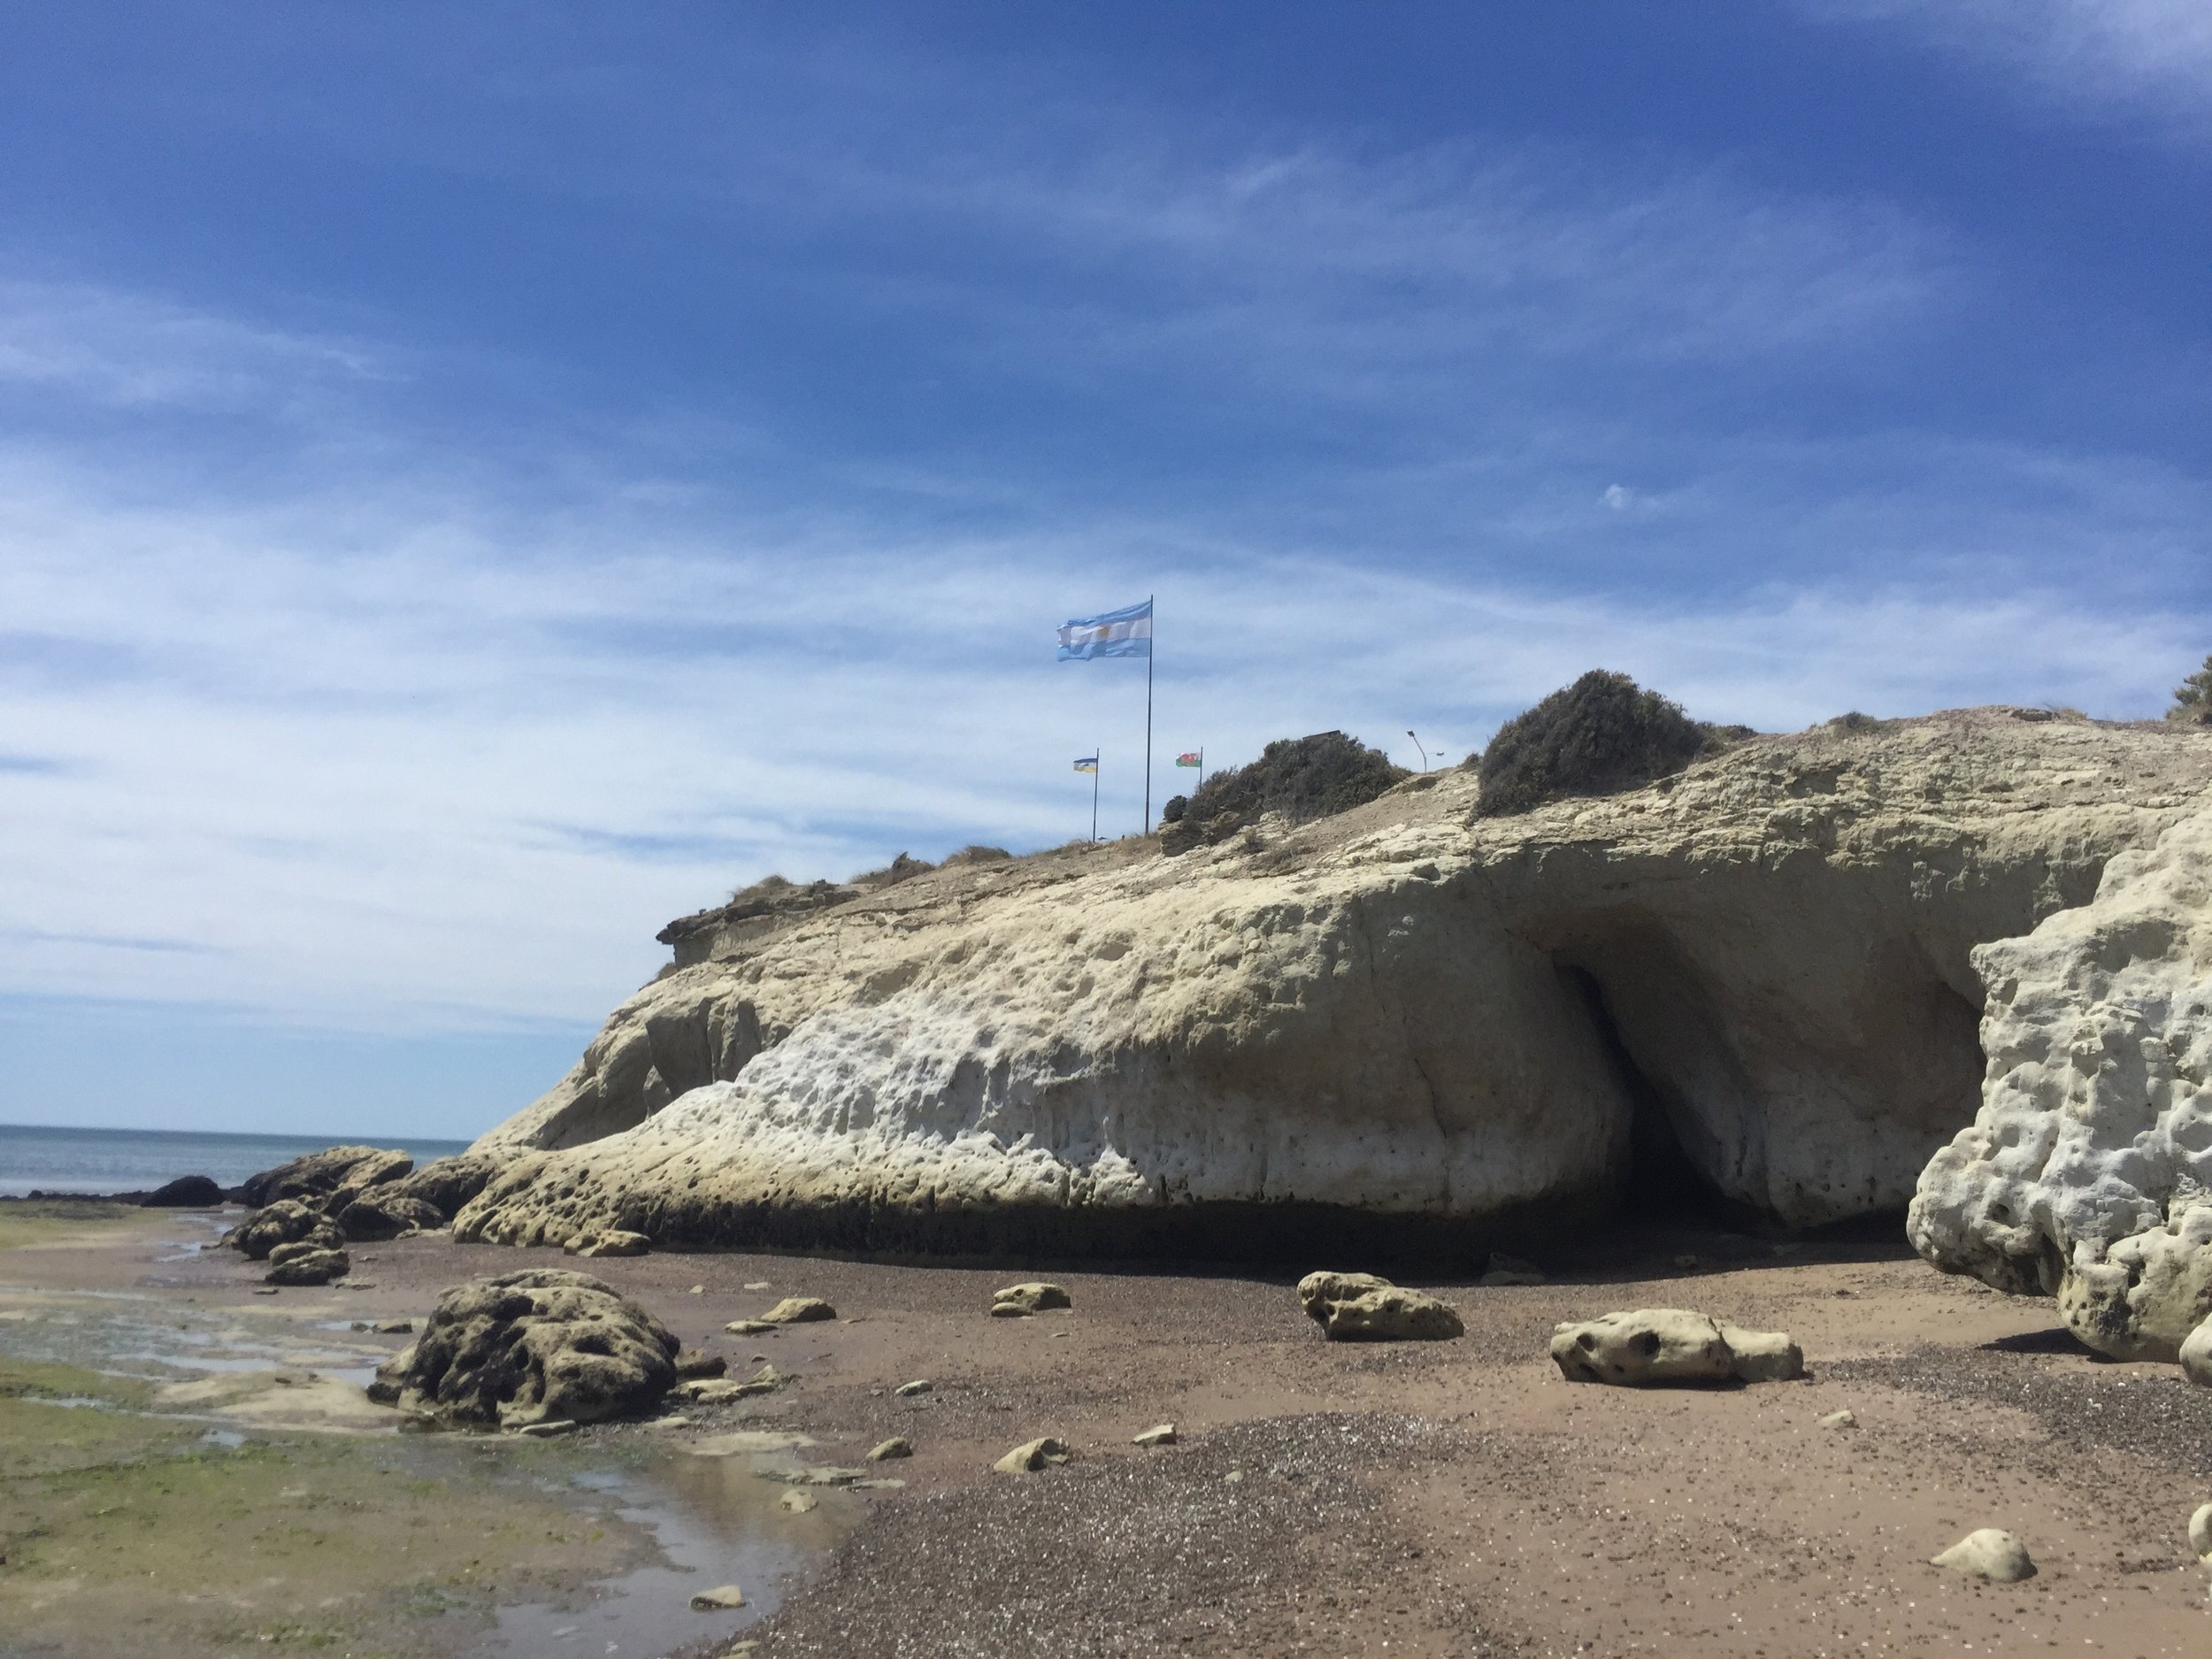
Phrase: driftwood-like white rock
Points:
(1658, 1347)
(1399, 1026)
(2084, 1172)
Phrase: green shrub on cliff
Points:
(2192, 698)
(1601, 735)
(1302, 778)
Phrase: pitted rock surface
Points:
(2083, 1171)
(519, 1348)
(1660, 1346)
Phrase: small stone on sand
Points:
(898, 1445)
(919, 1386)
(2200, 1532)
(1988, 1554)
(1839, 1420)
(718, 1600)
(1032, 1456)
(547, 1429)
(1161, 1434)
(798, 1503)
(798, 1310)
(758, 1284)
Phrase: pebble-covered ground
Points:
(1438, 1498)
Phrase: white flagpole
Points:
(1151, 644)
(1097, 755)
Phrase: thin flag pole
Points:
(1096, 755)
(1151, 644)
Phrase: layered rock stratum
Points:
(1402, 1027)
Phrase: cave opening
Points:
(1663, 1185)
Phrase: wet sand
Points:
(1437, 1499)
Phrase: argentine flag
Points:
(1127, 632)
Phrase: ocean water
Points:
(138, 1160)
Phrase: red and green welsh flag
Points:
(1190, 759)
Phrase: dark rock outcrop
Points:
(286, 1221)
(317, 1176)
(187, 1192)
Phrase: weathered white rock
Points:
(608, 1241)
(909, 1390)
(2201, 1532)
(1159, 1434)
(2095, 1136)
(719, 1599)
(1032, 1457)
(2196, 1356)
(1988, 1554)
(798, 1503)
(1761, 1355)
(1661, 1345)
(1845, 1419)
(898, 1445)
(2151, 1290)
(1366, 1022)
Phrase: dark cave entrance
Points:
(1662, 1185)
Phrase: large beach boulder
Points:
(1404, 1030)
(539, 1345)
(2083, 1171)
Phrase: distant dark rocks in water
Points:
(187, 1192)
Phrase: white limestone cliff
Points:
(1405, 1017)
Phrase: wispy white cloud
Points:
(419, 757)
(129, 350)
(2150, 56)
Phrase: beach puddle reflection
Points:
(716, 1522)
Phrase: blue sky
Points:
(477, 482)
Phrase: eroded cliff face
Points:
(1405, 1023)
(2085, 1172)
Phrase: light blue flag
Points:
(1088, 764)
(1127, 632)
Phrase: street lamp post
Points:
(1416, 744)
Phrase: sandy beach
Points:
(1448, 1499)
